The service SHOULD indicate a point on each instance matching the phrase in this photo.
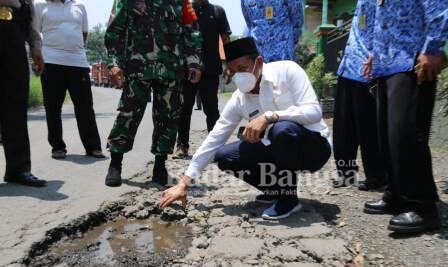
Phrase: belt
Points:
(6, 13)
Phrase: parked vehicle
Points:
(101, 75)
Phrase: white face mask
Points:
(245, 81)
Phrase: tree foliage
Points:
(320, 80)
(96, 50)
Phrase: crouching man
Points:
(277, 99)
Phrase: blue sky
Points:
(99, 10)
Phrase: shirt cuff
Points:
(283, 115)
(193, 172)
(433, 47)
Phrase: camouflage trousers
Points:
(166, 110)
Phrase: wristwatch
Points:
(270, 116)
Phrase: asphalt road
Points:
(76, 185)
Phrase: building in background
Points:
(330, 22)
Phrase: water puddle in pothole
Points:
(128, 238)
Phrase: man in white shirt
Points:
(64, 27)
(275, 98)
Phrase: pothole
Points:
(121, 242)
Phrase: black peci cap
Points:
(240, 48)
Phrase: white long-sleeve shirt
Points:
(284, 89)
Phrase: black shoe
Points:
(380, 207)
(368, 185)
(113, 178)
(59, 153)
(159, 173)
(26, 178)
(414, 222)
(265, 199)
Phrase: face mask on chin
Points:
(245, 81)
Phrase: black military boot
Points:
(113, 177)
(160, 174)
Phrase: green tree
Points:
(96, 50)
(320, 80)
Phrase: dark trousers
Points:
(14, 89)
(198, 101)
(208, 91)
(355, 126)
(404, 123)
(56, 80)
(293, 148)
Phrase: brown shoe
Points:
(181, 152)
(59, 154)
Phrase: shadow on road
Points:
(308, 216)
(82, 159)
(48, 193)
(40, 117)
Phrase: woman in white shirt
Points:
(64, 27)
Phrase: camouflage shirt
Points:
(152, 39)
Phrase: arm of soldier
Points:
(295, 12)
(116, 36)
(193, 52)
(192, 43)
(35, 41)
(115, 41)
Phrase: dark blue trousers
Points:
(293, 148)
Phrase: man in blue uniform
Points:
(355, 111)
(407, 56)
(276, 26)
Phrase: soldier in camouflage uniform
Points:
(151, 43)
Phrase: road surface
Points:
(76, 185)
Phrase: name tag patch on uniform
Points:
(269, 12)
(254, 113)
(362, 22)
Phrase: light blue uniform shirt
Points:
(404, 29)
(359, 44)
(275, 37)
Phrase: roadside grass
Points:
(226, 94)
(35, 96)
